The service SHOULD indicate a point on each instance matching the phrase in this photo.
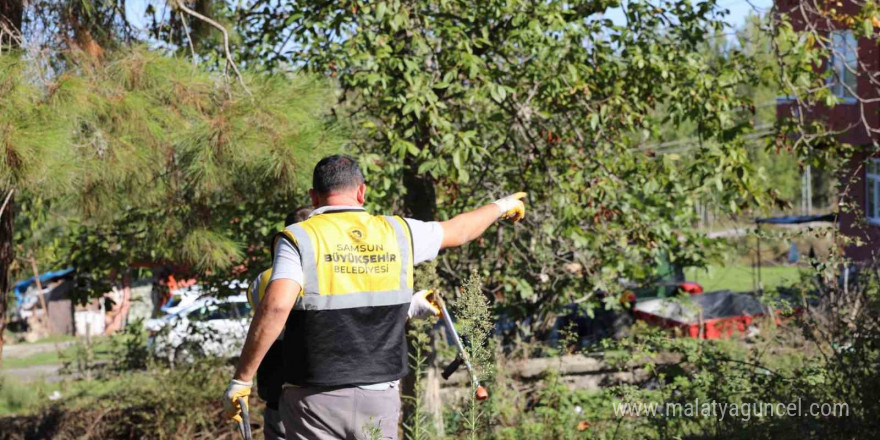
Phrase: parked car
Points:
(181, 299)
(208, 327)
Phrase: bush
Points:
(159, 403)
(129, 348)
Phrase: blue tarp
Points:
(21, 287)
(797, 219)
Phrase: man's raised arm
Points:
(470, 225)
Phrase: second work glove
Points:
(423, 305)
(236, 389)
(512, 206)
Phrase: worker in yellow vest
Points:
(270, 373)
(342, 284)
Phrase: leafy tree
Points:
(454, 102)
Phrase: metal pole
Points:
(758, 235)
(809, 184)
(244, 427)
(40, 294)
(804, 192)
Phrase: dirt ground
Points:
(26, 350)
(46, 372)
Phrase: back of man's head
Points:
(336, 173)
(300, 214)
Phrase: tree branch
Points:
(189, 40)
(5, 202)
(218, 26)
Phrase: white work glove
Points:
(423, 305)
(235, 390)
(512, 206)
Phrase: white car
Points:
(181, 299)
(208, 327)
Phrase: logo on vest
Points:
(356, 234)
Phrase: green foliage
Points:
(155, 404)
(82, 361)
(418, 426)
(826, 355)
(557, 412)
(35, 153)
(129, 348)
(454, 103)
(155, 161)
(16, 397)
(475, 326)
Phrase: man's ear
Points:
(361, 193)
(314, 195)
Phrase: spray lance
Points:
(244, 426)
(462, 356)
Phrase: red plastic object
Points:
(691, 287)
(712, 328)
(482, 394)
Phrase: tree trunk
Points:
(420, 201)
(11, 14)
(6, 256)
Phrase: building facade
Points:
(854, 78)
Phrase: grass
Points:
(156, 403)
(739, 278)
(101, 349)
(44, 358)
(23, 398)
(49, 339)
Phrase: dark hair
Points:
(298, 215)
(336, 172)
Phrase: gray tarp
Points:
(714, 305)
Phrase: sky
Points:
(739, 10)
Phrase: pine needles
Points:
(142, 132)
(31, 134)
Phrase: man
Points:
(270, 373)
(342, 284)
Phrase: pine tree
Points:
(11, 14)
(156, 160)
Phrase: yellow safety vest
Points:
(257, 290)
(347, 326)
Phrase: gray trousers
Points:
(273, 428)
(334, 413)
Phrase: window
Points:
(872, 208)
(220, 310)
(844, 64)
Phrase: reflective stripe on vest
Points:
(352, 268)
(348, 325)
(257, 290)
